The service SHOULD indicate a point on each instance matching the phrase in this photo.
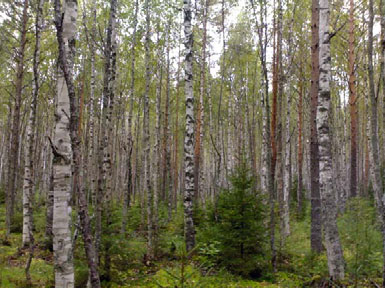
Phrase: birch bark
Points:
(65, 22)
(29, 153)
(316, 226)
(15, 132)
(329, 207)
(189, 229)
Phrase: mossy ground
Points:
(297, 266)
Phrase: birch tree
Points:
(329, 205)
(65, 22)
(316, 227)
(29, 153)
(15, 137)
(28, 188)
(146, 137)
(189, 188)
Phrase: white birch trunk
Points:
(30, 129)
(62, 242)
(189, 132)
(329, 207)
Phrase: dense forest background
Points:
(204, 143)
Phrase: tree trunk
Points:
(276, 59)
(28, 188)
(15, 134)
(166, 131)
(286, 171)
(375, 153)
(189, 229)
(158, 160)
(62, 239)
(353, 106)
(66, 28)
(329, 206)
(176, 128)
(267, 185)
(283, 149)
(316, 224)
(128, 192)
(199, 117)
(300, 148)
(382, 58)
(146, 138)
(92, 172)
(31, 128)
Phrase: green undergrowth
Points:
(205, 266)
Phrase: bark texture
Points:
(30, 130)
(65, 23)
(329, 205)
(375, 151)
(62, 239)
(189, 190)
(15, 134)
(316, 226)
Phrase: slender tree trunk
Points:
(158, 160)
(267, 185)
(199, 117)
(128, 193)
(283, 134)
(286, 170)
(176, 128)
(382, 14)
(146, 140)
(28, 188)
(31, 128)
(91, 157)
(109, 139)
(329, 205)
(103, 197)
(15, 134)
(376, 172)
(353, 105)
(220, 130)
(166, 130)
(316, 226)
(189, 229)
(300, 148)
(276, 59)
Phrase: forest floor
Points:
(297, 266)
